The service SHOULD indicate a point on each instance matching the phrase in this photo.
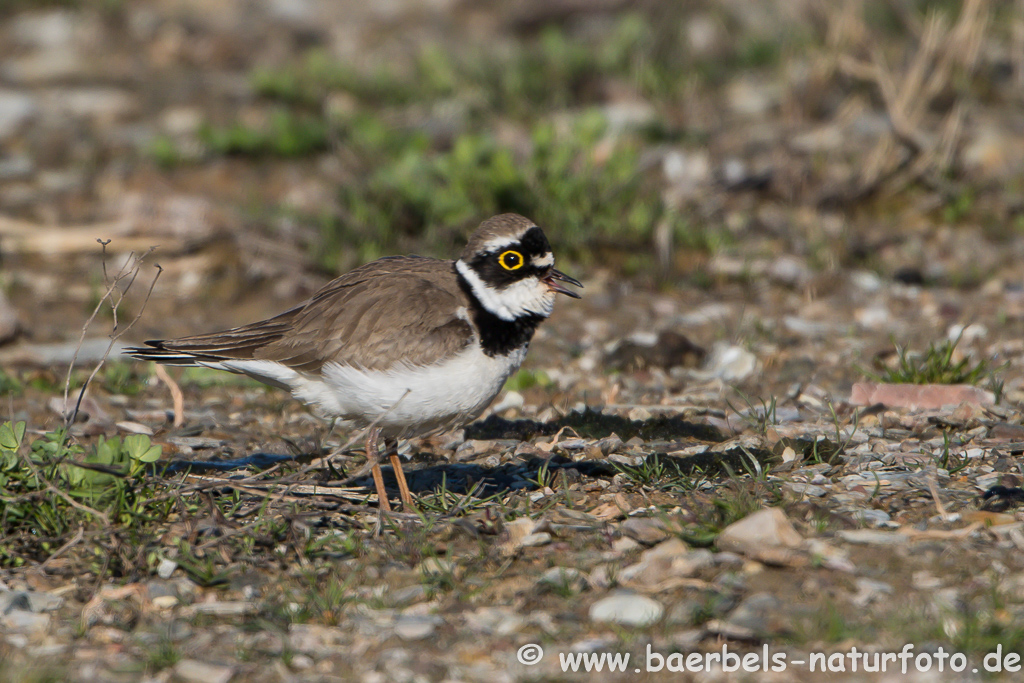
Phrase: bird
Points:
(403, 346)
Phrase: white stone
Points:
(731, 363)
(627, 609)
(166, 568)
(866, 281)
(165, 601)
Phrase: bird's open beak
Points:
(556, 276)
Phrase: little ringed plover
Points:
(409, 345)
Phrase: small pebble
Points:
(536, 539)
(627, 609)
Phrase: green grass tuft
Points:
(935, 366)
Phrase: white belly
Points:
(404, 400)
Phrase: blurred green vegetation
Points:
(10, 384)
(565, 123)
(433, 197)
(287, 134)
(428, 150)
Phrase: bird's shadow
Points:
(528, 475)
(457, 478)
(535, 472)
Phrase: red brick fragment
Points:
(918, 396)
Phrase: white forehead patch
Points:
(545, 261)
(528, 296)
(499, 243)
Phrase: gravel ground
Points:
(697, 456)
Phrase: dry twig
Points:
(114, 295)
(177, 398)
(916, 149)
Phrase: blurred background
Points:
(266, 146)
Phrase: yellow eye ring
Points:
(511, 260)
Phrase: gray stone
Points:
(592, 645)
(667, 560)
(752, 97)
(688, 640)
(106, 104)
(805, 489)
(513, 534)
(16, 108)
(611, 444)
(17, 166)
(415, 626)
(790, 271)
(43, 29)
(644, 530)
(704, 35)
(871, 516)
(571, 445)
(758, 613)
(627, 609)
(869, 591)
(195, 671)
(45, 66)
(301, 662)
(196, 442)
(225, 608)
(624, 545)
(872, 537)
(693, 609)
(436, 566)
(811, 329)
(314, 638)
(564, 578)
(178, 630)
(91, 351)
(23, 621)
(686, 171)
(408, 595)
(29, 601)
(767, 536)
(628, 115)
(160, 589)
(472, 449)
(536, 539)
(500, 621)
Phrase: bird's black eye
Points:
(511, 260)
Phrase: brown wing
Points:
(396, 309)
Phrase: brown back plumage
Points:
(396, 307)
